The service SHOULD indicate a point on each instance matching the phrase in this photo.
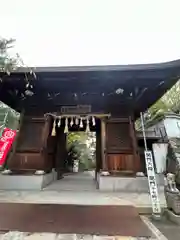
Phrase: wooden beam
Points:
(97, 115)
(135, 146)
(118, 120)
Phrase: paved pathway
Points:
(169, 229)
(140, 200)
(79, 189)
(82, 181)
(57, 194)
(53, 236)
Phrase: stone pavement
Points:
(82, 181)
(169, 229)
(53, 236)
(139, 200)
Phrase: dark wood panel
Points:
(27, 161)
(118, 136)
(32, 152)
(120, 162)
(30, 137)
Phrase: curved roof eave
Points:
(132, 67)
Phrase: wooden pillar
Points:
(44, 149)
(135, 146)
(45, 133)
(98, 147)
(61, 152)
(103, 145)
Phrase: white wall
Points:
(160, 152)
(172, 126)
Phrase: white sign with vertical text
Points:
(152, 182)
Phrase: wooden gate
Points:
(31, 154)
(121, 152)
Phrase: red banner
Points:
(6, 141)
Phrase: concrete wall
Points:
(128, 184)
(26, 182)
(172, 125)
(160, 153)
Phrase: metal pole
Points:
(143, 131)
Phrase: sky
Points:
(92, 32)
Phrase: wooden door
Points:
(30, 154)
(118, 162)
(119, 146)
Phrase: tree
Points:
(169, 102)
(81, 146)
(7, 62)
(172, 98)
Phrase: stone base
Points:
(173, 217)
(127, 184)
(26, 182)
(173, 201)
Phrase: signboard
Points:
(6, 141)
(152, 182)
(79, 109)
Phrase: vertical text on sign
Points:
(152, 182)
